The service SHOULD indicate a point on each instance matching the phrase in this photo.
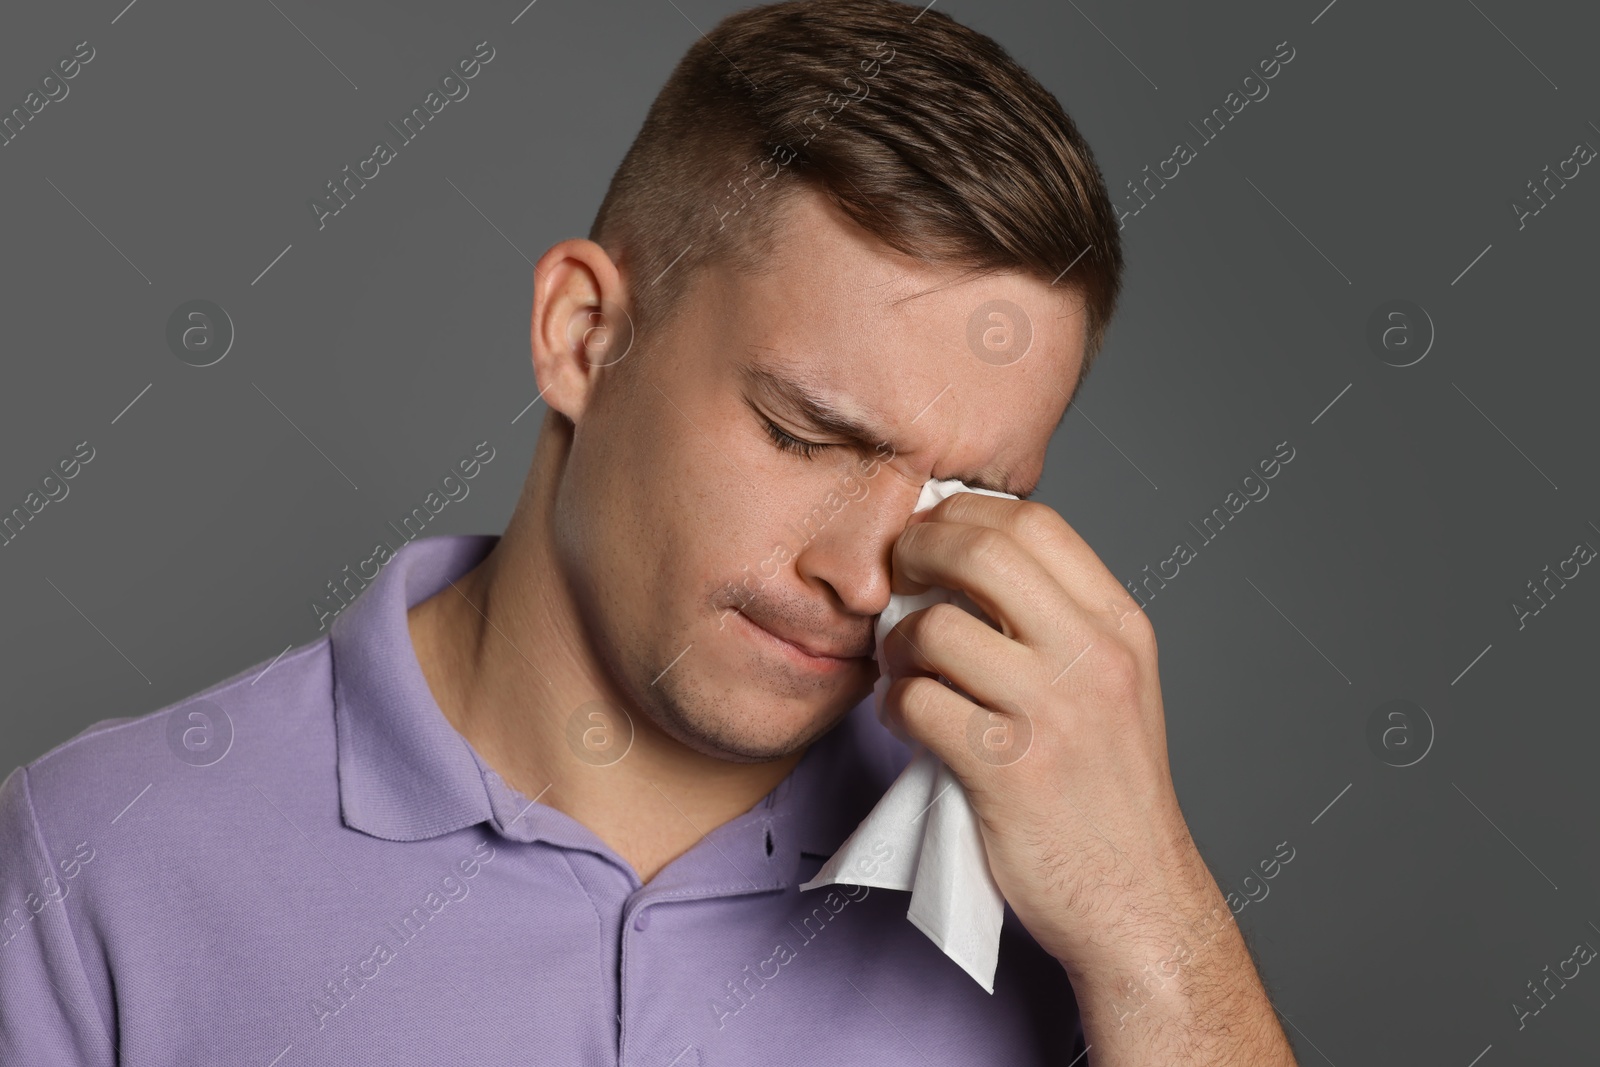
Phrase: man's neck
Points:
(505, 658)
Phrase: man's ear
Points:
(580, 323)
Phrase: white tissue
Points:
(926, 822)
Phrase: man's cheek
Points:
(854, 489)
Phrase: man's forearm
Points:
(1195, 1000)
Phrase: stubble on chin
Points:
(720, 727)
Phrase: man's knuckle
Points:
(1034, 523)
(938, 621)
(1117, 671)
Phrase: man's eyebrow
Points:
(805, 403)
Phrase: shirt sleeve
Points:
(48, 1014)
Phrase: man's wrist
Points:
(1166, 970)
(1190, 988)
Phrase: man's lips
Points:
(811, 646)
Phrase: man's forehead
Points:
(916, 281)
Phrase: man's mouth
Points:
(804, 651)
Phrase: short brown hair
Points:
(923, 131)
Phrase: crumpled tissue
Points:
(926, 820)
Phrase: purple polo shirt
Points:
(311, 866)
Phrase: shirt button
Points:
(641, 921)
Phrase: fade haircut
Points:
(924, 132)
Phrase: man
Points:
(548, 797)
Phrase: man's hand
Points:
(1062, 750)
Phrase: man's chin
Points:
(745, 740)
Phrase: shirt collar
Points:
(406, 774)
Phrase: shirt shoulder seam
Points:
(229, 682)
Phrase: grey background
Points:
(1382, 566)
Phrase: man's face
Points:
(688, 532)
